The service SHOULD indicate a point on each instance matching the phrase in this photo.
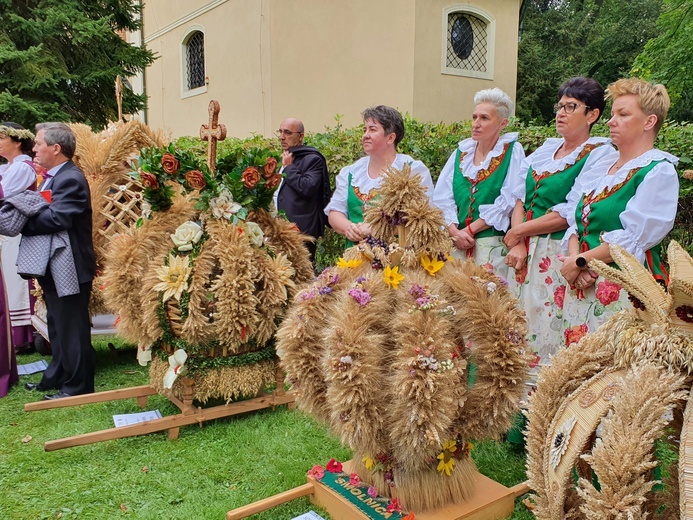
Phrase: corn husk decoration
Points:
(379, 348)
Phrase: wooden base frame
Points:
(491, 501)
(190, 414)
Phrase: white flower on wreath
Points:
(146, 210)
(561, 441)
(255, 234)
(176, 365)
(173, 278)
(187, 235)
(144, 354)
(224, 206)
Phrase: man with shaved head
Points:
(305, 189)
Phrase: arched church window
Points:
(468, 45)
(195, 60)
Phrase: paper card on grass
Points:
(32, 368)
(310, 515)
(127, 419)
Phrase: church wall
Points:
(332, 58)
(445, 97)
(313, 59)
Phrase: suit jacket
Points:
(69, 210)
(305, 190)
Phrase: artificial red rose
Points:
(270, 167)
(608, 292)
(544, 264)
(559, 296)
(251, 176)
(196, 179)
(149, 180)
(273, 181)
(169, 163)
(334, 466)
(574, 334)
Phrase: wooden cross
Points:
(212, 133)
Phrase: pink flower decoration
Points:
(372, 492)
(574, 334)
(535, 361)
(334, 466)
(559, 296)
(316, 472)
(394, 506)
(548, 280)
(354, 479)
(544, 264)
(608, 292)
(489, 267)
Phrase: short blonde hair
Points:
(653, 99)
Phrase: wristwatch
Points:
(581, 262)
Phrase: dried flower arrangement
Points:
(379, 346)
(204, 278)
(611, 407)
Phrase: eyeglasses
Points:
(568, 107)
(287, 133)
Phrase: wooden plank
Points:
(171, 423)
(490, 501)
(98, 397)
(270, 502)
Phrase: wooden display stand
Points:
(491, 501)
(190, 414)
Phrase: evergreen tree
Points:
(668, 58)
(59, 60)
(560, 39)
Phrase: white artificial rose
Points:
(224, 206)
(255, 234)
(187, 235)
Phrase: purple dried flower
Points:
(362, 297)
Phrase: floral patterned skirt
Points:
(540, 290)
(586, 314)
(489, 252)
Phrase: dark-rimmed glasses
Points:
(568, 107)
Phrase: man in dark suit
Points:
(305, 190)
(71, 370)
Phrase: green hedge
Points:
(433, 143)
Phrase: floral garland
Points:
(392, 506)
(243, 182)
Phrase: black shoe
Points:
(59, 395)
(38, 386)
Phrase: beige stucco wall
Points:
(312, 59)
(445, 97)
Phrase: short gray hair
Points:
(59, 133)
(504, 105)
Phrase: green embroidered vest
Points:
(544, 190)
(599, 213)
(356, 201)
(470, 194)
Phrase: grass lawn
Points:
(209, 470)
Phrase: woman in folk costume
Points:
(358, 183)
(474, 188)
(628, 198)
(547, 193)
(15, 314)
